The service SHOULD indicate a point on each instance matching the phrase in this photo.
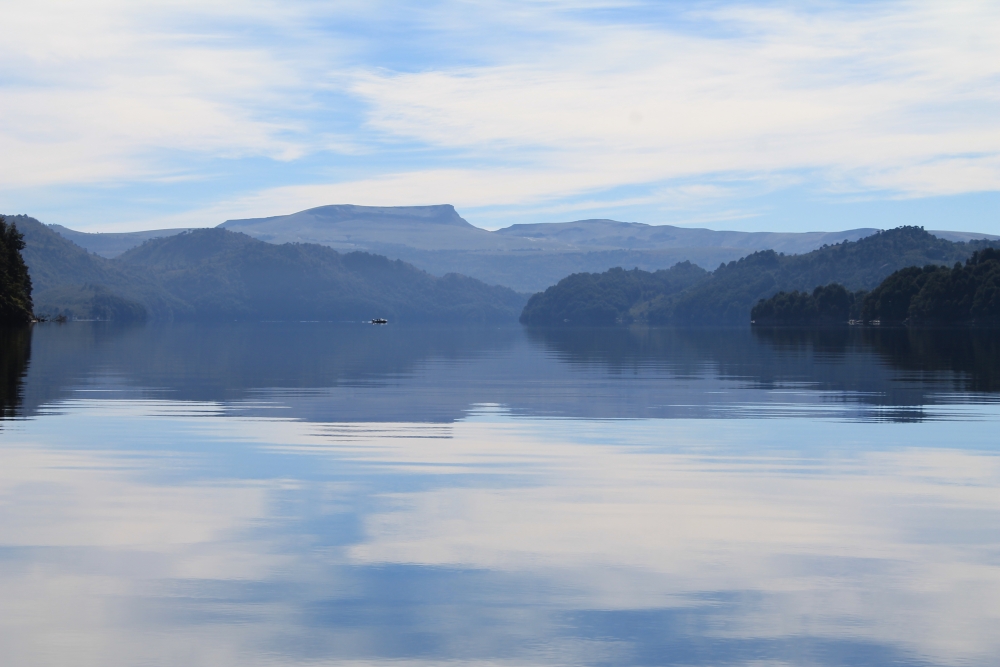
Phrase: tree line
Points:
(15, 282)
(961, 295)
(689, 295)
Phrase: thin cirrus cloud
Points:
(499, 107)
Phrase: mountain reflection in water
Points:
(313, 494)
(347, 373)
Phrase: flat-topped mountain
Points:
(348, 227)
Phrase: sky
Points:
(118, 115)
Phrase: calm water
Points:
(319, 494)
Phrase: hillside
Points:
(930, 295)
(827, 305)
(940, 296)
(592, 299)
(727, 295)
(215, 274)
(70, 281)
(224, 275)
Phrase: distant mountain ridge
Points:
(524, 257)
(112, 244)
(608, 234)
(216, 274)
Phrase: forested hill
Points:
(70, 281)
(940, 296)
(962, 295)
(600, 299)
(226, 275)
(215, 274)
(727, 295)
(733, 289)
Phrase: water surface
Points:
(314, 494)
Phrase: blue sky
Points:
(118, 115)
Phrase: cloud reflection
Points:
(173, 533)
(881, 540)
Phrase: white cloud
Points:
(91, 90)
(500, 103)
(881, 97)
(653, 520)
(832, 541)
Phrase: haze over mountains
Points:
(342, 263)
(219, 275)
(526, 258)
(112, 244)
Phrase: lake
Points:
(347, 494)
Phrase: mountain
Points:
(523, 257)
(348, 227)
(225, 275)
(611, 234)
(112, 244)
(526, 258)
(216, 274)
(727, 295)
(592, 299)
(70, 281)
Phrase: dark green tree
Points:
(829, 304)
(15, 283)
(604, 299)
(940, 296)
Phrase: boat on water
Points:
(380, 320)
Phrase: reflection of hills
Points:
(15, 351)
(234, 363)
(963, 360)
(331, 373)
(882, 368)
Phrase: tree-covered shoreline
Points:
(963, 295)
(15, 282)
(830, 304)
(728, 296)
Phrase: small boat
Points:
(380, 320)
